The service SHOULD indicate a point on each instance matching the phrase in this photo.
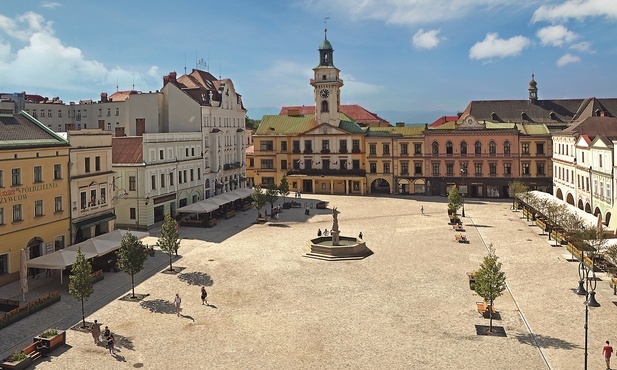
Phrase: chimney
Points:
(400, 124)
(104, 98)
(172, 77)
(165, 80)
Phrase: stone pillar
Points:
(335, 235)
(331, 186)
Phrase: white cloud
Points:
(583, 47)
(576, 9)
(426, 40)
(567, 59)
(556, 35)
(408, 12)
(494, 47)
(31, 57)
(50, 4)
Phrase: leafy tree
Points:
(80, 282)
(490, 281)
(455, 200)
(259, 198)
(572, 225)
(284, 187)
(515, 188)
(252, 123)
(593, 239)
(272, 194)
(131, 256)
(169, 241)
(555, 213)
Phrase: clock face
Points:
(324, 93)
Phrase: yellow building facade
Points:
(34, 192)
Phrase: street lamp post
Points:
(462, 186)
(584, 273)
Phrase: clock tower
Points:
(327, 86)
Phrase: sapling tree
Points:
(284, 187)
(515, 189)
(80, 282)
(169, 241)
(131, 257)
(490, 281)
(455, 200)
(259, 198)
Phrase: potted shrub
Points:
(16, 361)
(52, 338)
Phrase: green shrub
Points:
(17, 357)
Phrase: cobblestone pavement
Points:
(408, 306)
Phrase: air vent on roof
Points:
(494, 116)
(553, 115)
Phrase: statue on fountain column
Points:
(335, 231)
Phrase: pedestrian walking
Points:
(204, 296)
(177, 302)
(325, 232)
(106, 333)
(95, 329)
(422, 209)
(111, 342)
(607, 351)
(318, 232)
(360, 235)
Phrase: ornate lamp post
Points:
(587, 281)
(462, 186)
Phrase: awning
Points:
(57, 260)
(199, 207)
(217, 200)
(96, 220)
(229, 196)
(244, 192)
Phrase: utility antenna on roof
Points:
(201, 64)
(133, 80)
(220, 71)
(116, 83)
(185, 62)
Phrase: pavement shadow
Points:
(211, 306)
(124, 342)
(187, 317)
(159, 306)
(196, 278)
(278, 225)
(545, 341)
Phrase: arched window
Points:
(449, 149)
(477, 147)
(324, 106)
(492, 148)
(435, 146)
(506, 148)
(464, 148)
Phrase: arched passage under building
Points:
(380, 186)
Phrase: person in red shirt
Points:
(607, 351)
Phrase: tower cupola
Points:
(533, 90)
(326, 52)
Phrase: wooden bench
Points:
(483, 308)
(461, 238)
(31, 351)
(261, 220)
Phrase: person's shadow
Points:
(187, 317)
(211, 305)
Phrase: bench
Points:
(261, 220)
(483, 309)
(31, 351)
(471, 277)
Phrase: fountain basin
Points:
(350, 248)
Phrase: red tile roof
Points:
(444, 119)
(122, 95)
(128, 149)
(353, 111)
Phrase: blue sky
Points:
(406, 60)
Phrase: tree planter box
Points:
(53, 342)
(16, 365)
(247, 207)
(211, 222)
(230, 214)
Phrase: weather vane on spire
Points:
(325, 22)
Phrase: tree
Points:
(284, 187)
(490, 281)
(555, 213)
(259, 198)
(80, 282)
(169, 241)
(455, 200)
(515, 188)
(272, 194)
(131, 256)
(572, 225)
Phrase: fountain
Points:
(336, 247)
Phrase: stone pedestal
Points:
(335, 237)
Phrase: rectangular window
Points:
(186, 152)
(59, 113)
(417, 149)
(198, 174)
(386, 149)
(1, 219)
(162, 180)
(325, 164)
(296, 164)
(266, 180)
(404, 149)
(478, 168)
(92, 197)
(355, 146)
(526, 169)
(404, 168)
(87, 165)
(539, 148)
(308, 163)
(267, 164)
(507, 169)
(100, 113)
(97, 163)
(117, 111)
(15, 177)
(171, 179)
(386, 167)
(103, 196)
(132, 182)
(153, 182)
(283, 164)
(38, 174)
(38, 208)
(296, 146)
(372, 149)
(266, 145)
(343, 146)
(132, 214)
(325, 146)
(355, 164)
(192, 175)
(449, 169)
(417, 168)
(161, 154)
(83, 200)
(108, 112)
(342, 164)
(436, 169)
(17, 213)
(540, 169)
(58, 204)
(308, 146)
(492, 169)
(283, 146)
(525, 148)
(1, 179)
(373, 167)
